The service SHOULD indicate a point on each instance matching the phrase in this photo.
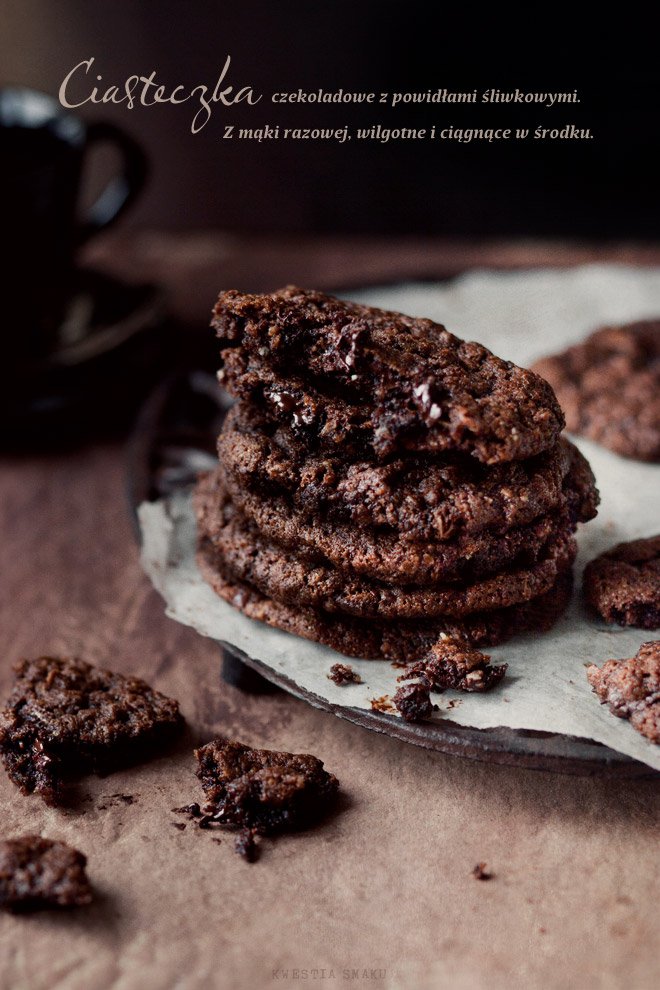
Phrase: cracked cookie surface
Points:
(341, 373)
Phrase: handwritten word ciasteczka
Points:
(146, 91)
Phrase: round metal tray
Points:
(173, 440)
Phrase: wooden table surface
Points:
(380, 895)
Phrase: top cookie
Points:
(341, 372)
(609, 388)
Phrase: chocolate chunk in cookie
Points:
(623, 584)
(65, 718)
(338, 371)
(39, 873)
(609, 388)
(631, 688)
(261, 790)
(454, 664)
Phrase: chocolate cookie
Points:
(623, 584)
(39, 873)
(285, 576)
(418, 499)
(382, 555)
(65, 718)
(402, 641)
(340, 372)
(631, 688)
(609, 388)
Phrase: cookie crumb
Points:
(481, 872)
(342, 673)
(413, 702)
(382, 704)
(193, 810)
(245, 845)
(115, 799)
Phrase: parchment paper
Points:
(519, 316)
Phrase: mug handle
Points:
(123, 188)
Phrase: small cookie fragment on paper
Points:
(631, 688)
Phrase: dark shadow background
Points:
(603, 188)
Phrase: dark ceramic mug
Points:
(42, 156)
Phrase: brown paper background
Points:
(385, 884)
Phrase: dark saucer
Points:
(113, 342)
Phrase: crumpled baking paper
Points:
(520, 316)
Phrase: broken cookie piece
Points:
(453, 663)
(39, 873)
(413, 702)
(260, 791)
(623, 584)
(336, 371)
(65, 718)
(631, 688)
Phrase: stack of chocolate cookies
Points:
(382, 482)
